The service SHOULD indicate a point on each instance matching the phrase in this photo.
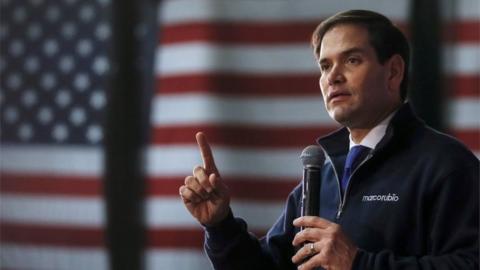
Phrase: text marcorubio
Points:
(382, 198)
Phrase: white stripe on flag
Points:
(161, 211)
(468, 9)
(70, 160)
(179, 11)
(281, 111)
(465, 113)
(204, 57)
(176, 160)
(292, 111)
(176, 259)
(170, 212)
(462, 59)
(53, 210)
(47, 258)
(166, 160)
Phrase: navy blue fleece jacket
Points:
(413, 204)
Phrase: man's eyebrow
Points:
(354, 50)
(346, 52)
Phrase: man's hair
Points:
(386, 39)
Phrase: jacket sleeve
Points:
(454, 223)
(229, 245)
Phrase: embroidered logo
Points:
(381, 198)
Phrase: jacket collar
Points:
(336, 143)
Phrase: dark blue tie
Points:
(354, 157)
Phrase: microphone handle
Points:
(311, 191)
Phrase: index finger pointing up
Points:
(206, 152)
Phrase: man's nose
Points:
(335, 75)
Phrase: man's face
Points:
(355, 86)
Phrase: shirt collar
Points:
(376, 134)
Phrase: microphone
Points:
(312, 158)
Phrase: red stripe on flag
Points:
(249, 136)
(240, 188)
(283, 32)
(240, 84)
(464, 31)
(175, 238)
(238, 33)
(50, 185)
(470, 137)
(244, 188)
(179, 238)
(464, 85)
(56, 235)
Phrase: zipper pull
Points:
(339, 212)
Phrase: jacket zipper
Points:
(344, 199)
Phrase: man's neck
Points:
(357, 134)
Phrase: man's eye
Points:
(353, 60)
(324, 67)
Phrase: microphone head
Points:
(312, 156)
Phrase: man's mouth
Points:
(338, 96)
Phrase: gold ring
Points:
(312, 248)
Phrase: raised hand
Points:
(204, 194)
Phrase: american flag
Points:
(241, 71)
(53, 67)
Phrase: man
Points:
(409, 200)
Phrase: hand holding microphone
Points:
(321, 242)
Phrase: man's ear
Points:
(396, 70)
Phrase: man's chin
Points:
(341, 116)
